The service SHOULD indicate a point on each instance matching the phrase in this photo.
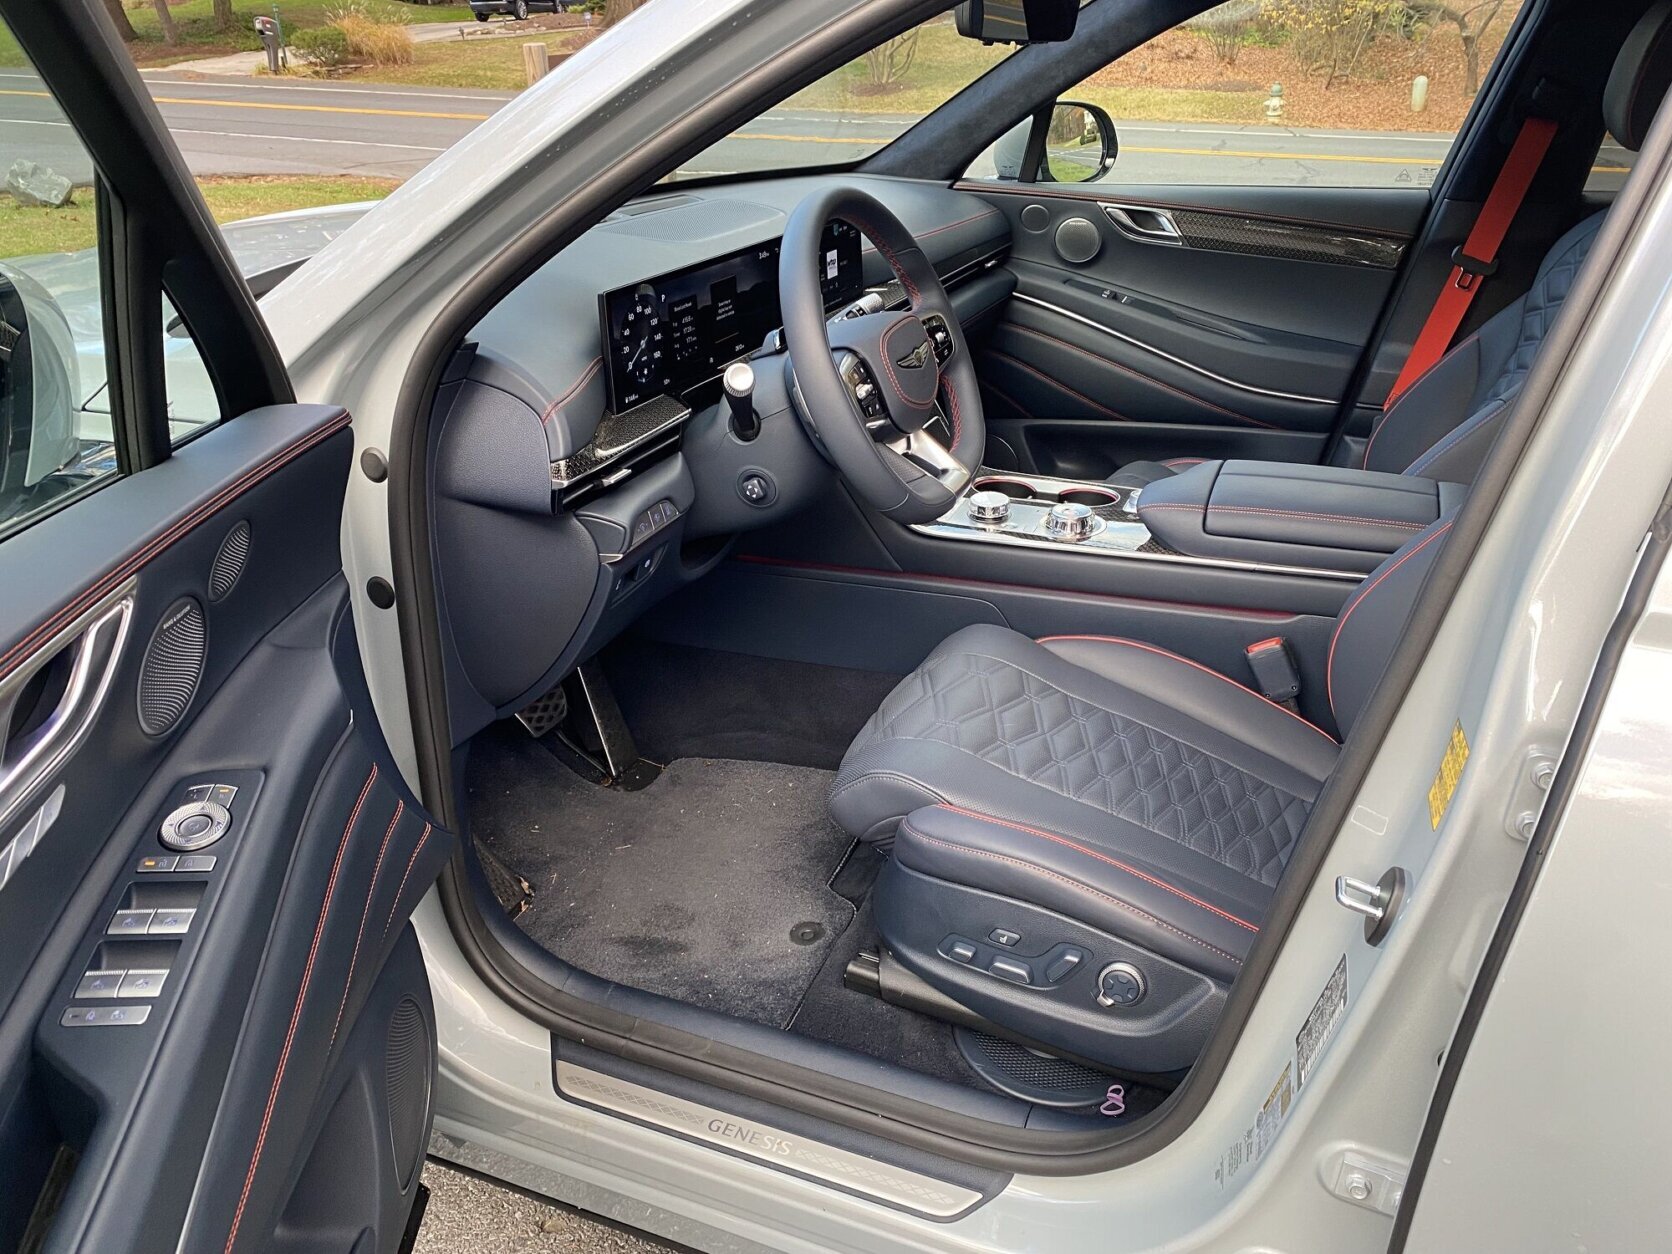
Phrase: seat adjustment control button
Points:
(1120, 984)
(961, 951)
(1067, 962)
(1010, 969)
(1004, 936)
(195, 825)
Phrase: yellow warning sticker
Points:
(1445, 779)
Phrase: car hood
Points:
(258, 246)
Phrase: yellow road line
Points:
(290, 108)
(785, 139)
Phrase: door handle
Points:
(50, 702)
(1143, 223)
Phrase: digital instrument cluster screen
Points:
(669, 334)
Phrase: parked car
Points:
(953, 695)
(517, 10)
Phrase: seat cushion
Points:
(1093, 761)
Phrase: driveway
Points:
(470, 1215)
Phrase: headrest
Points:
(1640, 77)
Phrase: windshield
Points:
(852, 112)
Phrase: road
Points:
(250, 126)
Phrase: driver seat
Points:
(1086, 831)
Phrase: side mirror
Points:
(39, 391)
(1018, 21)
(1080, 144)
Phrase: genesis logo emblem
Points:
(915, 358)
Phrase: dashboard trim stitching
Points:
(575, 387)
(950, 226)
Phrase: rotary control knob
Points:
(1070, 522)
(1120, 984)
(195, 825)
(989, 508)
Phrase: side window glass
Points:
(56, 439)
(1280, 93)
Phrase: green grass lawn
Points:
(491, 63)
(200, 37)
(25, 232)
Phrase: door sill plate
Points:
(814, 1160)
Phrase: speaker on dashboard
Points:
(172, 667)
(407, 1067)
(1078, 240)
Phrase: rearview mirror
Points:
(1018, 21)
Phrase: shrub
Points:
(381, 43)
(324, 47)
(1226, 27)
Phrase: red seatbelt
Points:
(1478, 257)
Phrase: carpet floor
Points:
(712, 885)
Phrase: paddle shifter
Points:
(739, 382)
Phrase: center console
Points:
(1324, 521)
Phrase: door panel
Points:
(1150, 327)
(290, 991)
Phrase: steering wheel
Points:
(871, 384)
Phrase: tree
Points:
(119, 16)
(165, 19)
(888, 62)
(224, 17)
(619, 10)
(1472, 21)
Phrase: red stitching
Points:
(1058, 384)
(1092, 853)
(296, 1014)
(1329, 662)
(1175, 462)
(371, 891)
(1297, 513)
(1140, 375)
(891, 257)
(974, 217)
(1073, 883)
(888, 363)
(957, 420)
(423, 838)
(125, 568)
(1206, 670)
(586, 377)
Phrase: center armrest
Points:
(1325, 517)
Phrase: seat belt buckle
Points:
(1276, 677)
(1472, 269)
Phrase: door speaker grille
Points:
(408, 1067)
(229, 561)
(173, 666)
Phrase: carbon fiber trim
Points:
(618, 434)
(1261, 237)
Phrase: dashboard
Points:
(672, 333)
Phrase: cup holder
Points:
(1094, 497)
(1014, 489)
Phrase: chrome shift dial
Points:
(989, 508)
(1070, 522)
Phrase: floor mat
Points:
(835, 1013)
(683, 702)
(710, 886)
